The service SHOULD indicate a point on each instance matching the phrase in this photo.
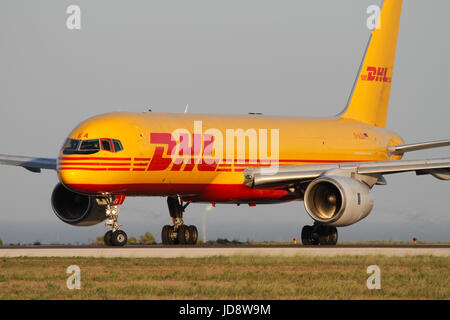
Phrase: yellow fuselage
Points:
(148, 163)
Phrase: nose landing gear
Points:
(114, 237)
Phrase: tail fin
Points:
(369, 99)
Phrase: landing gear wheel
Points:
(332, 236)
(172, 236)
(165, 234)
(319, 235)
(324, 235)
(193, 235)
(183, 234)
(178, 233)
(114, 237)
(107, 238)
(307, 236)
(327, 235)
(119, 238)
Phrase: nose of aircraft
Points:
(71, 178)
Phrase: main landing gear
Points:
(319, 235)
(114, 237)
(179, 233)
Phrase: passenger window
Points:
(106, 145)
(117, 145)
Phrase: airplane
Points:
(331, 164)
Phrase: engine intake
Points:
(76, 209)
(337, 201)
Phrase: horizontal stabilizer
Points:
(401, 149)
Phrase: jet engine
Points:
(337, 201)
(76, 209)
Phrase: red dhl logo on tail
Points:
(376, 74)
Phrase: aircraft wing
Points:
(290, 175)
(33, 164)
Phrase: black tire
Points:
(327, 235)
(107, 238)
(172, 240)
(324, 235)
(333, 238)
(307, 236)
(119, 238)
(165, 234)
(183, 234)
(193, 234)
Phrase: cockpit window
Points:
(106, 145)
(90, 145)
(117, 145)
(75, 146)
(71, 145)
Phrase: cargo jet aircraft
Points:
(331, 164)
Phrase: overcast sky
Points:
(276, 57)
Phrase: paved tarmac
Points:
(210, 251)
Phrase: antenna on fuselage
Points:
(187, 108)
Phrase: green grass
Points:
(238, 277)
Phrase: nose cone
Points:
(96, 157)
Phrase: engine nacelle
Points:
(76, 209)
(337, 201)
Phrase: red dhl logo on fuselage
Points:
(376, 74)
(187, 151)
(188, 154)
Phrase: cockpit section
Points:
(91, 146)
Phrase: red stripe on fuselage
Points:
(95, 164)
(94, 158)
(94, 169)
(223, 162)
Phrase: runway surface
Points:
(160, 251)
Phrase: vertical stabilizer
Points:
(369, 99)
